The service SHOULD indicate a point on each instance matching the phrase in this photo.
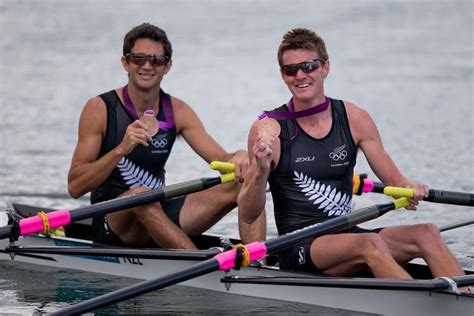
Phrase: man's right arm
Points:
(87, 172)
(262, 152)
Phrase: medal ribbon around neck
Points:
(164, 125)
(268, 118)
(291, 115)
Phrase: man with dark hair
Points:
(125, 138)
(308, 158)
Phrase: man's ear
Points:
(168, 66)
(326, 68)
(125, 64)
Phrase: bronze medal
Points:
(152, 125)
(269, 126)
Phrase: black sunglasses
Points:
(307, 67)
(140, 59)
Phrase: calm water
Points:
(410, 64)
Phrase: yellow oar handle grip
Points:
(222, 167)
(399, 192)
(228, 177)
(401, 202)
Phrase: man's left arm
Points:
(193, 131)
(367, 138)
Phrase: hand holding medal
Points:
(268, 131)
(152, 125)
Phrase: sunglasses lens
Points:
(306, 67)
(141, 60)
(158, 60)
(290, 70)
(310, 66)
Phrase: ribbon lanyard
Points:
(291, 115)
(164, 125)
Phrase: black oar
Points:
(458, 224)
(58, 218)
(226, 260)
(150, 253)
(434, 195)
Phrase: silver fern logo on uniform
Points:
(326, 198)
(134, 176)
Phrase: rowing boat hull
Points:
(381, 301)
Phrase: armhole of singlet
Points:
(345, 119)
(167, 107)
(166, 113)
(110, 99)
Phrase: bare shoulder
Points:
(95, 105)
(94, 115)
(355, 112)
(360, 121)
(184, 115)
(181, 108)
(177, 103)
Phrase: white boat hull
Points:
(380, 301)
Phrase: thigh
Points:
(102, 234)
(173, 208)
(339, 254)
(298, 258)
(203, 209)
(126, 225)
(402, 241)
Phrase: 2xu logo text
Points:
(304, 159)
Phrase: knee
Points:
(228, 194)
(233, 190)
(372, 245)
(428, 235)
(144, 212)
(136, 190)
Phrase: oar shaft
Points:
(434, 195)
(5, 231)
(130, 201)
(456, 224)
(450, 197)
(58, 218)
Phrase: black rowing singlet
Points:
(313, 179)
(144, 166)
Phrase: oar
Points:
(149, 253)
(456, 224)
(226, 260)
(362, 184)
(58, 218)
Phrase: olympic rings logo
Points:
(159, 143)
(338, 156)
